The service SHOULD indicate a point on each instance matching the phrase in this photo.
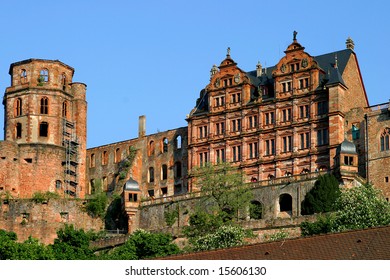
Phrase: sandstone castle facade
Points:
(282, 126)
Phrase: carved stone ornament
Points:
(217, 82)
(304, 63)
(237, 78)
(283, 68)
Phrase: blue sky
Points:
(153, 57)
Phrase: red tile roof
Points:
(367, 244)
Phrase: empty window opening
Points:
(151, 193)
(255, 210)
(44, 108)
(151, 174)
(104, 157)
(151, 148)
(164, 172)
(18, 130)
(43, 129)
(92, 161)
(285, 203)
(164, 191)
(117, 155)
(178, 142)
(44, 76)
(28, 160)
(23, 76)
(58, 184)
(92, 187)
(63, 81)
(165, 145)
(386, 179)
(177, 189)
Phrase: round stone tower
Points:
(45, 114)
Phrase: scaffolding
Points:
(71, 144)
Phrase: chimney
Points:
(141, 126)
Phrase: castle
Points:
(282, 126)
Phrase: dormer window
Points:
(294, 67)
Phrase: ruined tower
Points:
(45, 125)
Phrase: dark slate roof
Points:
(367, 244)
(346, 147)
(327, 61)
(131, 185)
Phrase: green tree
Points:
(322, 197)
(72, 244)
(8, 245)
(224, 185)
(356, 208)
(143, 245)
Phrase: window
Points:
(355, 132)
(117, 155)
(322, 108)
(252, 121)
(236, 125)
(303, 83)
(105, 183)
(65, 109)
(287, 144)
(253, 150)
(348, 160)
(269, 118)
(286, 86)
(151, 174)
(18, 107)
(385, 140)
(303, 111)
(203, 158)
(219, 101)
(220, 155)
(219, 128)
(18, 131)
(269, 147)
(286, 115)
(58, 184)
(304, 140)
(92, 160)
(133, 197)
(44, 76)
(202, 131)
(165, 145)
(164, 172)
(294, 67)
(178, 169)
(285, 203)
(178, 142)
(236, 97)
(63, 81)
(23, 76)
(164, 191)
(92, 186)
(43, 129)
(104, 157)
(236, 153)
(44, 108)
(151, 148)
(322, 136)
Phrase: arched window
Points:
(151, 148)
(44, 76)
(23, 76)
(63, 81)
(385, 140)
(151, 174)
(117, 155)
(164, 172)
(104, 157)
(58, 184)
(18, 107)
(18, 130)
(44, 108)
(92, 161)
(178, 169)
(65, 109)
(43, 129)
(285, 202)
(178, 142)
(255, 210)
(165, 145)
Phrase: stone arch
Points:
(285, 203)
